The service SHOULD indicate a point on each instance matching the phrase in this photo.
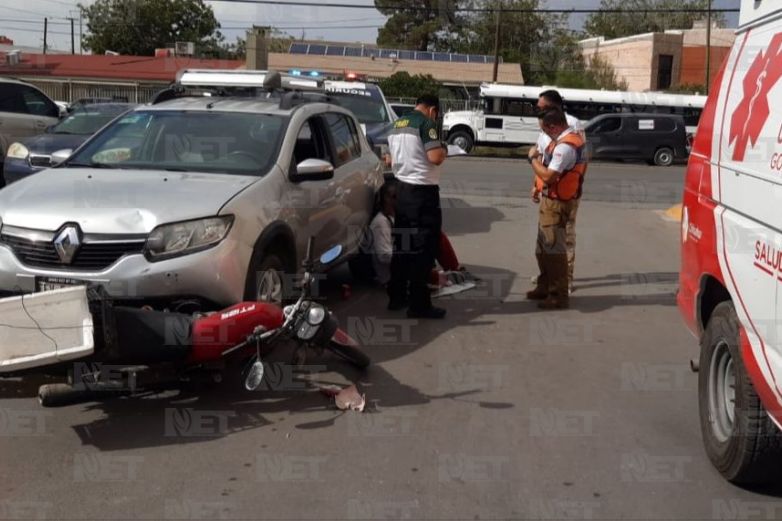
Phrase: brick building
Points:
(661, 61)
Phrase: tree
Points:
(403, 85)
(595, 73)
(636, 21)
(541, 42)
(420, 25)
(140, 26)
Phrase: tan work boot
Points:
(558, 271)
(541, 283)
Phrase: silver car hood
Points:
(115, 201)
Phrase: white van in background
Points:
(508, 114)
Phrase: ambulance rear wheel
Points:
(663, 157)
(462, 139)
(740, 439)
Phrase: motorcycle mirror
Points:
(254, 376)
(331, 255)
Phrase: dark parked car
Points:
(658, 139)
(33, 154)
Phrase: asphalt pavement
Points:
(500, 411)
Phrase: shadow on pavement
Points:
(461, 218)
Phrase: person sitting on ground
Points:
(373, 264)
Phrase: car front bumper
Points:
(216, 275)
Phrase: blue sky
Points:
(23, 22)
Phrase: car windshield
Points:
(85, 123)
(188, 141)
(367, 107)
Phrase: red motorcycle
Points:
(136, 347)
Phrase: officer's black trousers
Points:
(417, 228)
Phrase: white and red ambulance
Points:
(730, 291)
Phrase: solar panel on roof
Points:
(423, 56)
(388, 53)
(317, 49)
(352, 51)
(442, 57)
(371, 52)
(407, 55)
(335, 50)
(477, 58)
(298, 48)
(462, 58)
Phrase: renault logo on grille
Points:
(67, 244)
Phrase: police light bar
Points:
(239, 78)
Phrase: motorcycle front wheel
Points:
(350, 354)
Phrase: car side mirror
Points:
(60, 156)
(313, 170)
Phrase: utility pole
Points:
(497, 42)
(73, 44)
(708, 49)
(45, 32)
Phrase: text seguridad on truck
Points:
(731, 272)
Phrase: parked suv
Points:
(24, 111)
(658, 139)
(32, 155)
(200, 201)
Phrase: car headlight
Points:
(17, 151)
(173, 240)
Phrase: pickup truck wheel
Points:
(663, 157)
(266, 279)
(461, 139)
(740, 439)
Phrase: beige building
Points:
(367, 60)
(660, 61)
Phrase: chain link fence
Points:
(447, 104)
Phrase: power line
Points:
(31, 12)
(288, 3)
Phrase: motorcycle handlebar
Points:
(310, 248)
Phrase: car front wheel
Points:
(266, 279)
(740, 438)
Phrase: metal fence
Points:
(70, 90)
